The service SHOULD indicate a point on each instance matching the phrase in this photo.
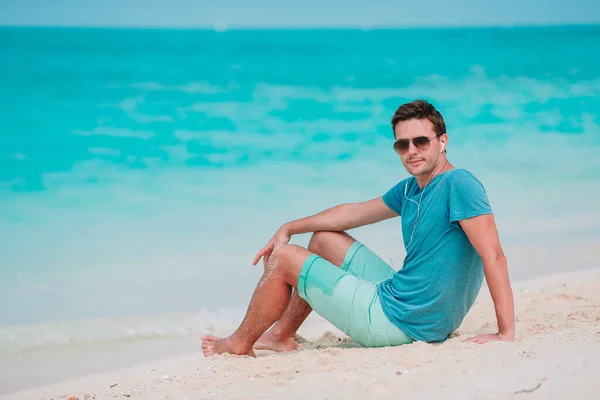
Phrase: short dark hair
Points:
(420, 109)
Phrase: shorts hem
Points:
(304, 273)
(352, 250)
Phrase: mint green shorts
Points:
(347, 297)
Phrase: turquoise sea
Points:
(141, 170)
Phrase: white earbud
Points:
(442, 149)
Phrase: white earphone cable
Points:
(420, 198)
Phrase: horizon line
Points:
(361, 27)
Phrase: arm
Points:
(483, 235)
(342, 217)
(338, 218)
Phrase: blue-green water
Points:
(141, 170)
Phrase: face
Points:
(418, 161)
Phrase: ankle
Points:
(281, 334)
(237, 345)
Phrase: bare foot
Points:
(212, 345)
(268, 341)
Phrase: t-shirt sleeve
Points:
(393, 197)
(467, 198)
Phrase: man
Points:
(451, 243)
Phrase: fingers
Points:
(261, 253)
(482, 339)
(266, 250)
(258, 256)
(476, 339)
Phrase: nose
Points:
(412, 149)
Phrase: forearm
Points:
(342, 217)
(496, 274)
(337, 218)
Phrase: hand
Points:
(280, 238)
(485, 338)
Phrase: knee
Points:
(318, 241)
(286, 261)
(283, 255)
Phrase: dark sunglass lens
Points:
(421, 142)
(401, 146)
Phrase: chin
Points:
(409, 170)
(415, 171)
(424, 170)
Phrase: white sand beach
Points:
(556, 355)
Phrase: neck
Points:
(444, 165)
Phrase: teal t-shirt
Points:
(442, 273)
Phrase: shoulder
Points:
(461, 173)
(467, 197)
(462, 177)
(464, 187)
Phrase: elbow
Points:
(495, 258)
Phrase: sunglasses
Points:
(420, 142)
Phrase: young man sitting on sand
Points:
(451, 243)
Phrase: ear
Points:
(444, 144)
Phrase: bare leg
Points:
(333, 247)
(268, 303)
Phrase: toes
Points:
(209, 339)
(208, 345)
(208, 351)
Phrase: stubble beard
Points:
(426, 171)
